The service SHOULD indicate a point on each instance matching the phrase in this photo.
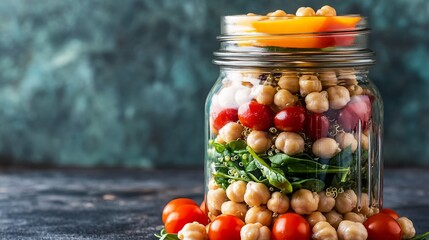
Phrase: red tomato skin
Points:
(223, 117)
(291, 119)
(256, 116)
(225, 227)
(390, 212)
(317, 126)
(358, 109)
(381, 226)
(173, 204)
(182, 215)
(290, 226)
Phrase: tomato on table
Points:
(173, 204)
(223, 117)
(390, 212)
(225, 227)
(290, 119)
(256, 116)
(182, 215)
(317, 126)
(382, 226)
(291, 226)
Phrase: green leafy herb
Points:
(166, 236)
(275, 176)
(424, 236)
(315, 185)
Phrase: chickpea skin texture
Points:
(328, 79)
(326, 204)
(231, 132)
(317, 102)
(265, 94)
(259, 141)
(236, 190)
(304, 201)
(212, 184)
(325, 147)
(305, 12)
(314, 218)
(255, 231)
(354, 217)
(334, 218)
(259, 214)
(283, 98)
(234, 209)
(309, 84)
(277, 13)
(290, 82)
(345, 140)
(290, 143)
(215, 199)
(193, 231)
(407, 227)
(324, 231)
(326, 11)
(346, 201)
(338, 97)
(256, 194)
(348, 230)
(278, 203)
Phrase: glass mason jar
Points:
(293, 123)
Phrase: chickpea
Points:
(255, 231)
(345, 140)
(338, 97)
(328, 79)
(234, 209)
(259, 214)
(334, 218)
(277, 13)
(348, 77)
(215, 199)
(265, 94)
(354, 217)
(326, 203)
(327, 11)
(346, 201)
(304, 201)
(314, 218)
(290, 82)
(278, 203)
(212, 184)
(231, 132)
(236, 190)
(364, 141)
(348, 230)
(305, 12)
(284, 98)
(219, 139)
(193, 231)
(354, 90)
(256, 194)
(324, 231)
(290, 143)
(309, 84)
(317, 102)
(407, 227)
(364, 207)
(259, 141)
(325, 147)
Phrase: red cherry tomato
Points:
(223, 117)
(173, 204)
(256, 116)
(358, 109)
(382, 226)
(182, 215)
(290, 119)
(317, 126)
(390, 212)
(290, 226)
(225, 227)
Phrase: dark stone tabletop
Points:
(127, 204)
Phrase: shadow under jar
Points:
(293, 124)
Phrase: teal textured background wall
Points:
(123, 83)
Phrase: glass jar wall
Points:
(293, 127)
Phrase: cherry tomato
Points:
(182, 215)
(256, 116)
(390, 212)
(225, 227)
(290, 119)
(382, 226)
(223, 117)
(358, 109)
(290, 226)
(173, 204)
(317, 126)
